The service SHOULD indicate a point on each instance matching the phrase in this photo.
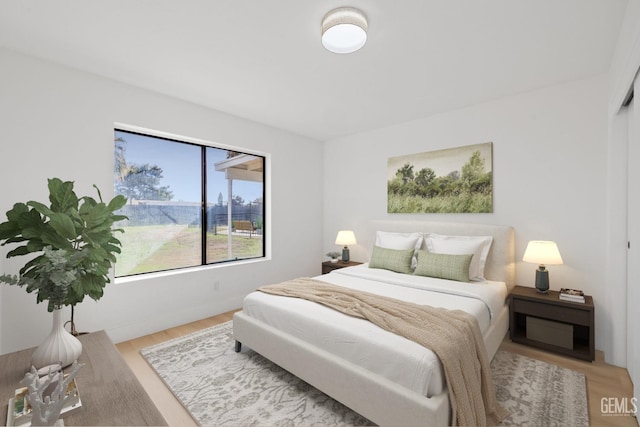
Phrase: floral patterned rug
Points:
(220, 387)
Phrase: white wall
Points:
(58, 122)
(549, 163)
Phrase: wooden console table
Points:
(109, 391)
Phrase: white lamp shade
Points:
(344, 30)
(346, 238)
(542, 252)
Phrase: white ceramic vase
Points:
(59, 347)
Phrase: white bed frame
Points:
(369, 394)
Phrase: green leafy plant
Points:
(74, 240)
(333, 254)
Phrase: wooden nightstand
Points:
(328, 266)
(546, 322)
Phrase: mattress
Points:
(361, 342)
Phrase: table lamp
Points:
(542, 252)
(346, 238)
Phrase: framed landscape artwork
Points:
(453, 180)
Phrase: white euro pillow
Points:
(478, 246)
(401, 241)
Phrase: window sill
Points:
(187, 270)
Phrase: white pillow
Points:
(478, 246)
(400, 241)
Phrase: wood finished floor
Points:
(603, 380)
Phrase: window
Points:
(188, 204)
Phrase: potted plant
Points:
(333, 255)
(75, 247)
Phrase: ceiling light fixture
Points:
(344, 30)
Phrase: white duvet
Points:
(361, 342)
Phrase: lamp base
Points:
(542, 280)
(345, 254)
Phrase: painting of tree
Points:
(453, 180)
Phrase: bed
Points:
(384, 377)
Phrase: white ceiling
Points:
(263, 60)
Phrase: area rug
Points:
(538, 393)
(220, 387)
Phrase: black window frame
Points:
(204, 202)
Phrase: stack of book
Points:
(573, 295)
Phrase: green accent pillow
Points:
(398, 260)
(443, 266)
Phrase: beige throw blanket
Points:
(453, 335)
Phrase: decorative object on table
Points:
(59, 345)
(346, 238)
(542, 252)
(571, 295)
(76, 247)
(333, 255)
(48, 395)
(453, 180)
